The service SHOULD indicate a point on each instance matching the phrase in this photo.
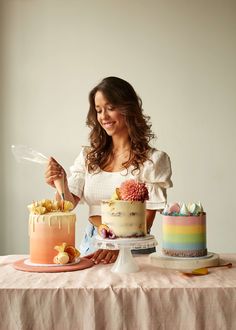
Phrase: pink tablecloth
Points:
(96, 298)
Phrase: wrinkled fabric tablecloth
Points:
(96, 298)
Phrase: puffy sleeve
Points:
(156, 173)
(78, 171)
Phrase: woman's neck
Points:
(120, 154)
(120, 145)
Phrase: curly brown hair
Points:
(121, 95)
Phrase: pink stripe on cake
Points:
(184, 220)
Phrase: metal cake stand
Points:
(125, 262)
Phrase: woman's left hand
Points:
(104, 256)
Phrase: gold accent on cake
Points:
(66, 254)
(45, 206)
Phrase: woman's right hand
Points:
(53, 172)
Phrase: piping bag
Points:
(24, 153)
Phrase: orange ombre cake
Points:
(52, 230)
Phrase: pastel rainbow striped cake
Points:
(184, 230)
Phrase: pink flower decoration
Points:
(132, 190)
(174, 208)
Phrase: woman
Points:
(119, 150)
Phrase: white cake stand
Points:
(125, 262)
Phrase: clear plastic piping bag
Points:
(23, 153)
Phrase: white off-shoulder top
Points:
(91, 188)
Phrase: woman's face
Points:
(109, 117)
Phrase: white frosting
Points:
(124, 218)
(194, 208)
(184, 210)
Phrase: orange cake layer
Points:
(48, 230)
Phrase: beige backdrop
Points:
(180, 57)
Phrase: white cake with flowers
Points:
(124, 215)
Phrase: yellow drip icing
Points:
(33, 227)
(50, 220)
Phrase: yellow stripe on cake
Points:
(196, 229)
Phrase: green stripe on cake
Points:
(182, 238)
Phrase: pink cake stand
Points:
(125, 262)
(25, 265)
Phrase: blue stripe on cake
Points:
(186, 246)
